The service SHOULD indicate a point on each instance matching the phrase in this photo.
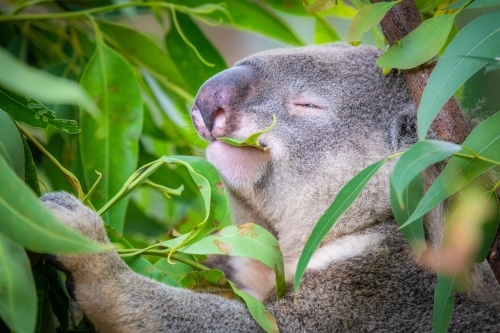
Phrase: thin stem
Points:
(103, 9)
(69, 176)
(395, 155)
(125, 253)
(479, 157)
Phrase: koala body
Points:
(337, 113)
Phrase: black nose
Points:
(224, 92)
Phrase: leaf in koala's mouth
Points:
(252, 140)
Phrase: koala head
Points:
(336, 113)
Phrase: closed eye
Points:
(309, 105)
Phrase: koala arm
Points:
(119, 300)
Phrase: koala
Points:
(336, 113)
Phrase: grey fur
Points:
(371, 282)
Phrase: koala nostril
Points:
(219, 119)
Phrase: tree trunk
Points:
(450, 124)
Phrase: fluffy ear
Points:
(403, 130)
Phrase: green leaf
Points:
(23, 79)
(248, 15)
(246, 240)
(205, 176)
(342, 201)
(26, 221)
(460, 170)
(412, 195)
(418, 158)
(318, 5)
(324, 32)
(185, 57)
(30, 174)
(41, 288)
(252, 140)
(29, 111)
(420, 45)
(473, 4)
(142, 51)
(178, 269)
(258, 311)
(480, 38)
(489, 225)
(368, 17)
(17, 287)
(138, 263)
(11, 144)
(59, 299)
(207, 281)
(110, 145)
(443, 303)
(297, 8)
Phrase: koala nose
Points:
(220, 96)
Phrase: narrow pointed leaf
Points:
(444, 304)
(29, 111)
(318, 5)
(11, 144)
(110, 146)
(26, 221)
(419, 46)
(23, 79)
(460, 171)
(411, 196)
(324, 32)
(367, 17)
(30, 174)
(258, 311)
(342, 201)
(252, 140)
(480, 38)
(473, 4)
(17, 287)
(418, 158)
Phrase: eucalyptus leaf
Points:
(29, 111)
(11, 144)
(479, 38)
(258, 311)
(411, 196)
(252, 140)
(208, 281)
(30, 173)
(297, 8)
(318, 5)
(367, 17)
(473, 4)
(324, 32)
(23, 79)
(416, 159)
(26, 221)
(420, 45)
(461, 170)
(342, 201)
(110, 145)
(444, 303)
(17, 287)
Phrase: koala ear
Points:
(403, 129)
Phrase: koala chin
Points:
(336, 113)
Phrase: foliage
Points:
(106, 98)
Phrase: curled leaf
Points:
(252, 140)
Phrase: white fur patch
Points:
(344, 248)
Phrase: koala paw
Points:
(69, 210)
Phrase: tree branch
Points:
(450, 124)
